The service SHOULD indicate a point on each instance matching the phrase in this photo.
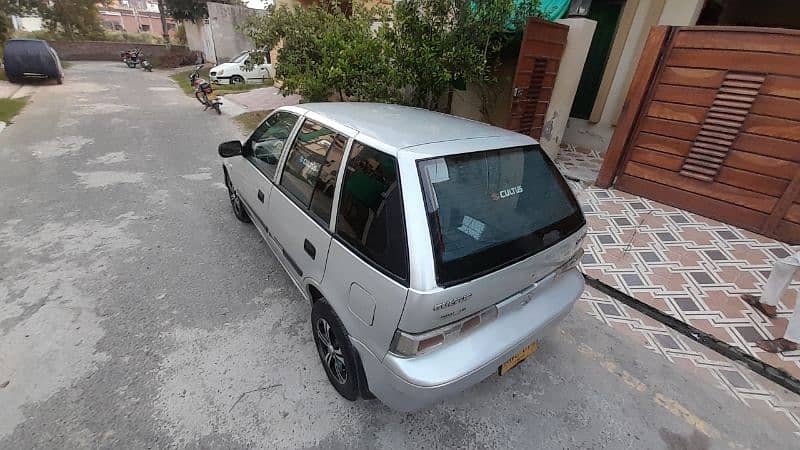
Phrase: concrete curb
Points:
(768, 371)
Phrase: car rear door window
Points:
(305, 160)
(267, 142)
(370, 215)
(488, 209)
(322, 199)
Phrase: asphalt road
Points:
(137, 312)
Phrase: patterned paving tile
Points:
(688, 266)
(764, 398)
(579, 163)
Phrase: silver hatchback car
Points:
(434, 250)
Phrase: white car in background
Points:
(236, 71)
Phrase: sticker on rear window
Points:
(505, 193)
(437, 170)
(472, 227)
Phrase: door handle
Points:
(309, 248)
(260, 196)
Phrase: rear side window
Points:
(305, 160)
(370, 216)
(322, 199)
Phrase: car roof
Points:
(401, 127)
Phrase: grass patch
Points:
(10, 107)
(250, 120)
(182, 78)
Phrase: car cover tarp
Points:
(22, 56)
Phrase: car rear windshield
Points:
(489, 209)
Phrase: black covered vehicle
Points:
(31, 58)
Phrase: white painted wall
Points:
(634, 44)
(570, 68)
(27, 23)
(218, 37)
(680, 12)
(674, 12)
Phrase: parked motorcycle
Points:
(203, 91)
(132, 57)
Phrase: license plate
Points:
(518, 358)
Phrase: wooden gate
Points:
(712, 125)
(542, 46)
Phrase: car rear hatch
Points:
(500, 221)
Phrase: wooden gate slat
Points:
(712, 124)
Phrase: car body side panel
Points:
(246, 179)
(345, 268)
(303, 240)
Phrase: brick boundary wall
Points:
(110, 51)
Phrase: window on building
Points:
(144, 27)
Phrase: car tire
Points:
(337, 355)
(236, 79)
(236, 203)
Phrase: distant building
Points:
(134, 16)
(218, 37)
(29, 23)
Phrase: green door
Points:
(606, 13)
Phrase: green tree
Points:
(415, 53)
(72, 18)
(440, 44)
(192, 10)
(10, 8)
(327, 51)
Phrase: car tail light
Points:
(408, 344)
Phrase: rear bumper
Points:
(408, 384)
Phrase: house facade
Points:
(218, 37)
(621, 32)
(135, 16)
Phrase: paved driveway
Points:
(137, 312)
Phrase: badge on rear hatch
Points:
(452, 302)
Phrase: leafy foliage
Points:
(111, 36)
(426, 49)
(192, 10)
(67, 19)
(443, 44)
(74, 18)
(180, 34)
(10, 8)
(328, 51)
